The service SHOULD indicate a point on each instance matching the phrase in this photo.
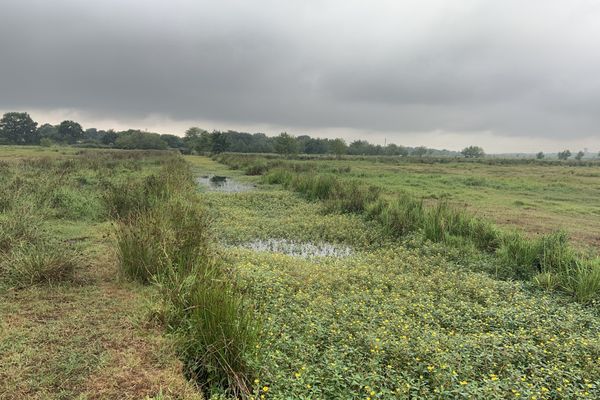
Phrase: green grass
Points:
(400, 319)
(161, 299)
(69, 327)
(438, 221)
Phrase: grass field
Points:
(377, 317)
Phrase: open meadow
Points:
(145, 274)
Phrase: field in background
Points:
(535, 197)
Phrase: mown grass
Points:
(68, 327)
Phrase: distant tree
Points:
(360, 147)
(48, 131)
(193, 133)
(338, 146)
(419, 151)
(135, 139)
(286, 144)
(70, 132)
(219, 142)
(174, 142)
(564, 155)
(18, 128)
(402, 151)
(109, 138)
(473, 152)
(91, 134)
(540, 155)
(579, 155)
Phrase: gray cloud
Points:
(512, 68)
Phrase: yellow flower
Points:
(463, 382)
(257, 381)
(265, 389)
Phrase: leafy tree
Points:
(135, 139)
(360, 147)
(564, 155)
(338, 146)
(109, 137)
(70, 132)
(48, 131)
(18, 128)
(219, 142)
(540, 155)
(286, 144)
(579, 155)
(473, 152)
(419, 151)
(174, 142)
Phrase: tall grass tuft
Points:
(399, 216)
(169, 243)
(42, 263)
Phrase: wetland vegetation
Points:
(130, 274)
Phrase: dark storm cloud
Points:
(512, 68)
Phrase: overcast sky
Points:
(510, 75)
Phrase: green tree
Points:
(173, 141)
(564, 155)
(419, 151)
(109, 137)
(48, 131)
(135, 139)
(338, 146)
(18, 128)
(540, 155)
(579, 155)
(473, 152)
(219, 142)
(70, 132)
(286, 144)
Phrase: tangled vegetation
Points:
(548, 260)
(397, 319)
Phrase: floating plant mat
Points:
(298, 249)
(223, 184)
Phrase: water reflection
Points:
(223, 184)
(299, 249)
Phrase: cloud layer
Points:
(527, 70)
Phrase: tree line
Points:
(19, 128)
